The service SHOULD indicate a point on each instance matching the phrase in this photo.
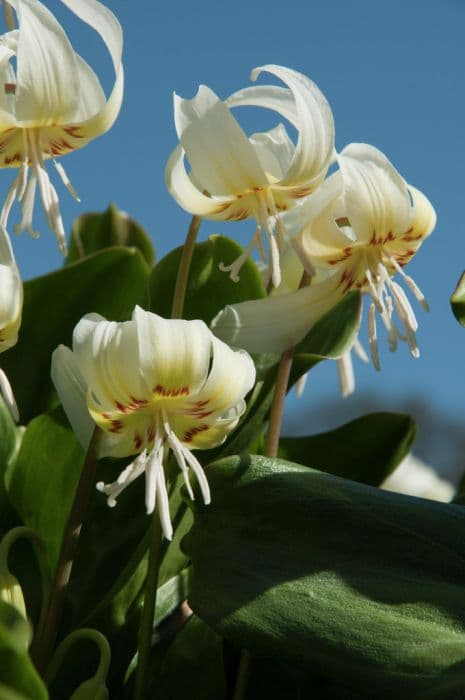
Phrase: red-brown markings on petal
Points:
(238, 215)
(137, 441)
(172, 393)
(73, 131)
(151, 434)
(190, 434)
(16, 158)
(116, 426)
(301, 192)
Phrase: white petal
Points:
(376, 196)
(47, 90)
(173, 355)
(274, 149)
(279, 99)
(92, 98)
(7, 393)
(277, 322)
(181, 187)
(72, 389)
(312, 206)
(220, 154)
(11, 294)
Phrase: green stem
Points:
(184, 267)
(271, 450)
(44, 641)
(148, 614)
(63, 648)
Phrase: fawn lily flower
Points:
(153, 386)
(51, 104)
(233, 177)
(11, 306)
(367, 234)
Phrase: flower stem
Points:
(148, 614)
(184, 267)
(44, 641)
(271, 450)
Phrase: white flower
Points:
(366, 235)
(52, 103)
(361, 227)
(233, 177)
(11, 306)
(152, 385)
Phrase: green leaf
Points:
(457, 301)
(330, 336)
(98, 230)
(17, 672)
(342, 579)
(42, 480)
(367, 449)
(111, 283)
(192, 666)
(208, 290)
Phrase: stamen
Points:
(163, 505)
(127, 476)
(374, 292)
(372, 336)
(346, 374)
(360, 351)
(236, 266)
(153, 465)
(411, 284)
(66, 181)
(301, 384)
(27, 209)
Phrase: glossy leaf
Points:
(208, 290)
(339, 578)
(457, 301)
(10, 439)
(43, 479)
(111, 283)
(95, 231)
(367, 449)
(17, 672)
(330, 336)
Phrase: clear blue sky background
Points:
(393, 73)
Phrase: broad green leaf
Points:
(111, 283)
(95, 231)
(43, 478)
(192, 667)
(339, 578)
(208, 290)
(457, 301)
(17, 672)
(367, 449)
(330, 336)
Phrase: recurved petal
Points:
(174, 355)
(277, 322)
(72, 390)
(208, 432)
(278, 99)
(181, 187)
(312, 206)
(104, 22)
(315, 124)
(92, 98)
(424, 218)
(376, 197)
(221, 156)
(47, 89)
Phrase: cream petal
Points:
(219, 392)
(173, 355)
(220, 154)
(11, 294)
(278, 99)
(92, 98)
(104, 22)
(312, 206)
(72, 390)
(376, 197)
(47, 89)
(274, 149)
(181, 187)
(277, 322)
(424, 219)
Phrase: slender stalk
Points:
(9, 18)
(184, 267)
(271, 450)
(42, 648)
(148, 615)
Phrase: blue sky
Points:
(393, 73)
